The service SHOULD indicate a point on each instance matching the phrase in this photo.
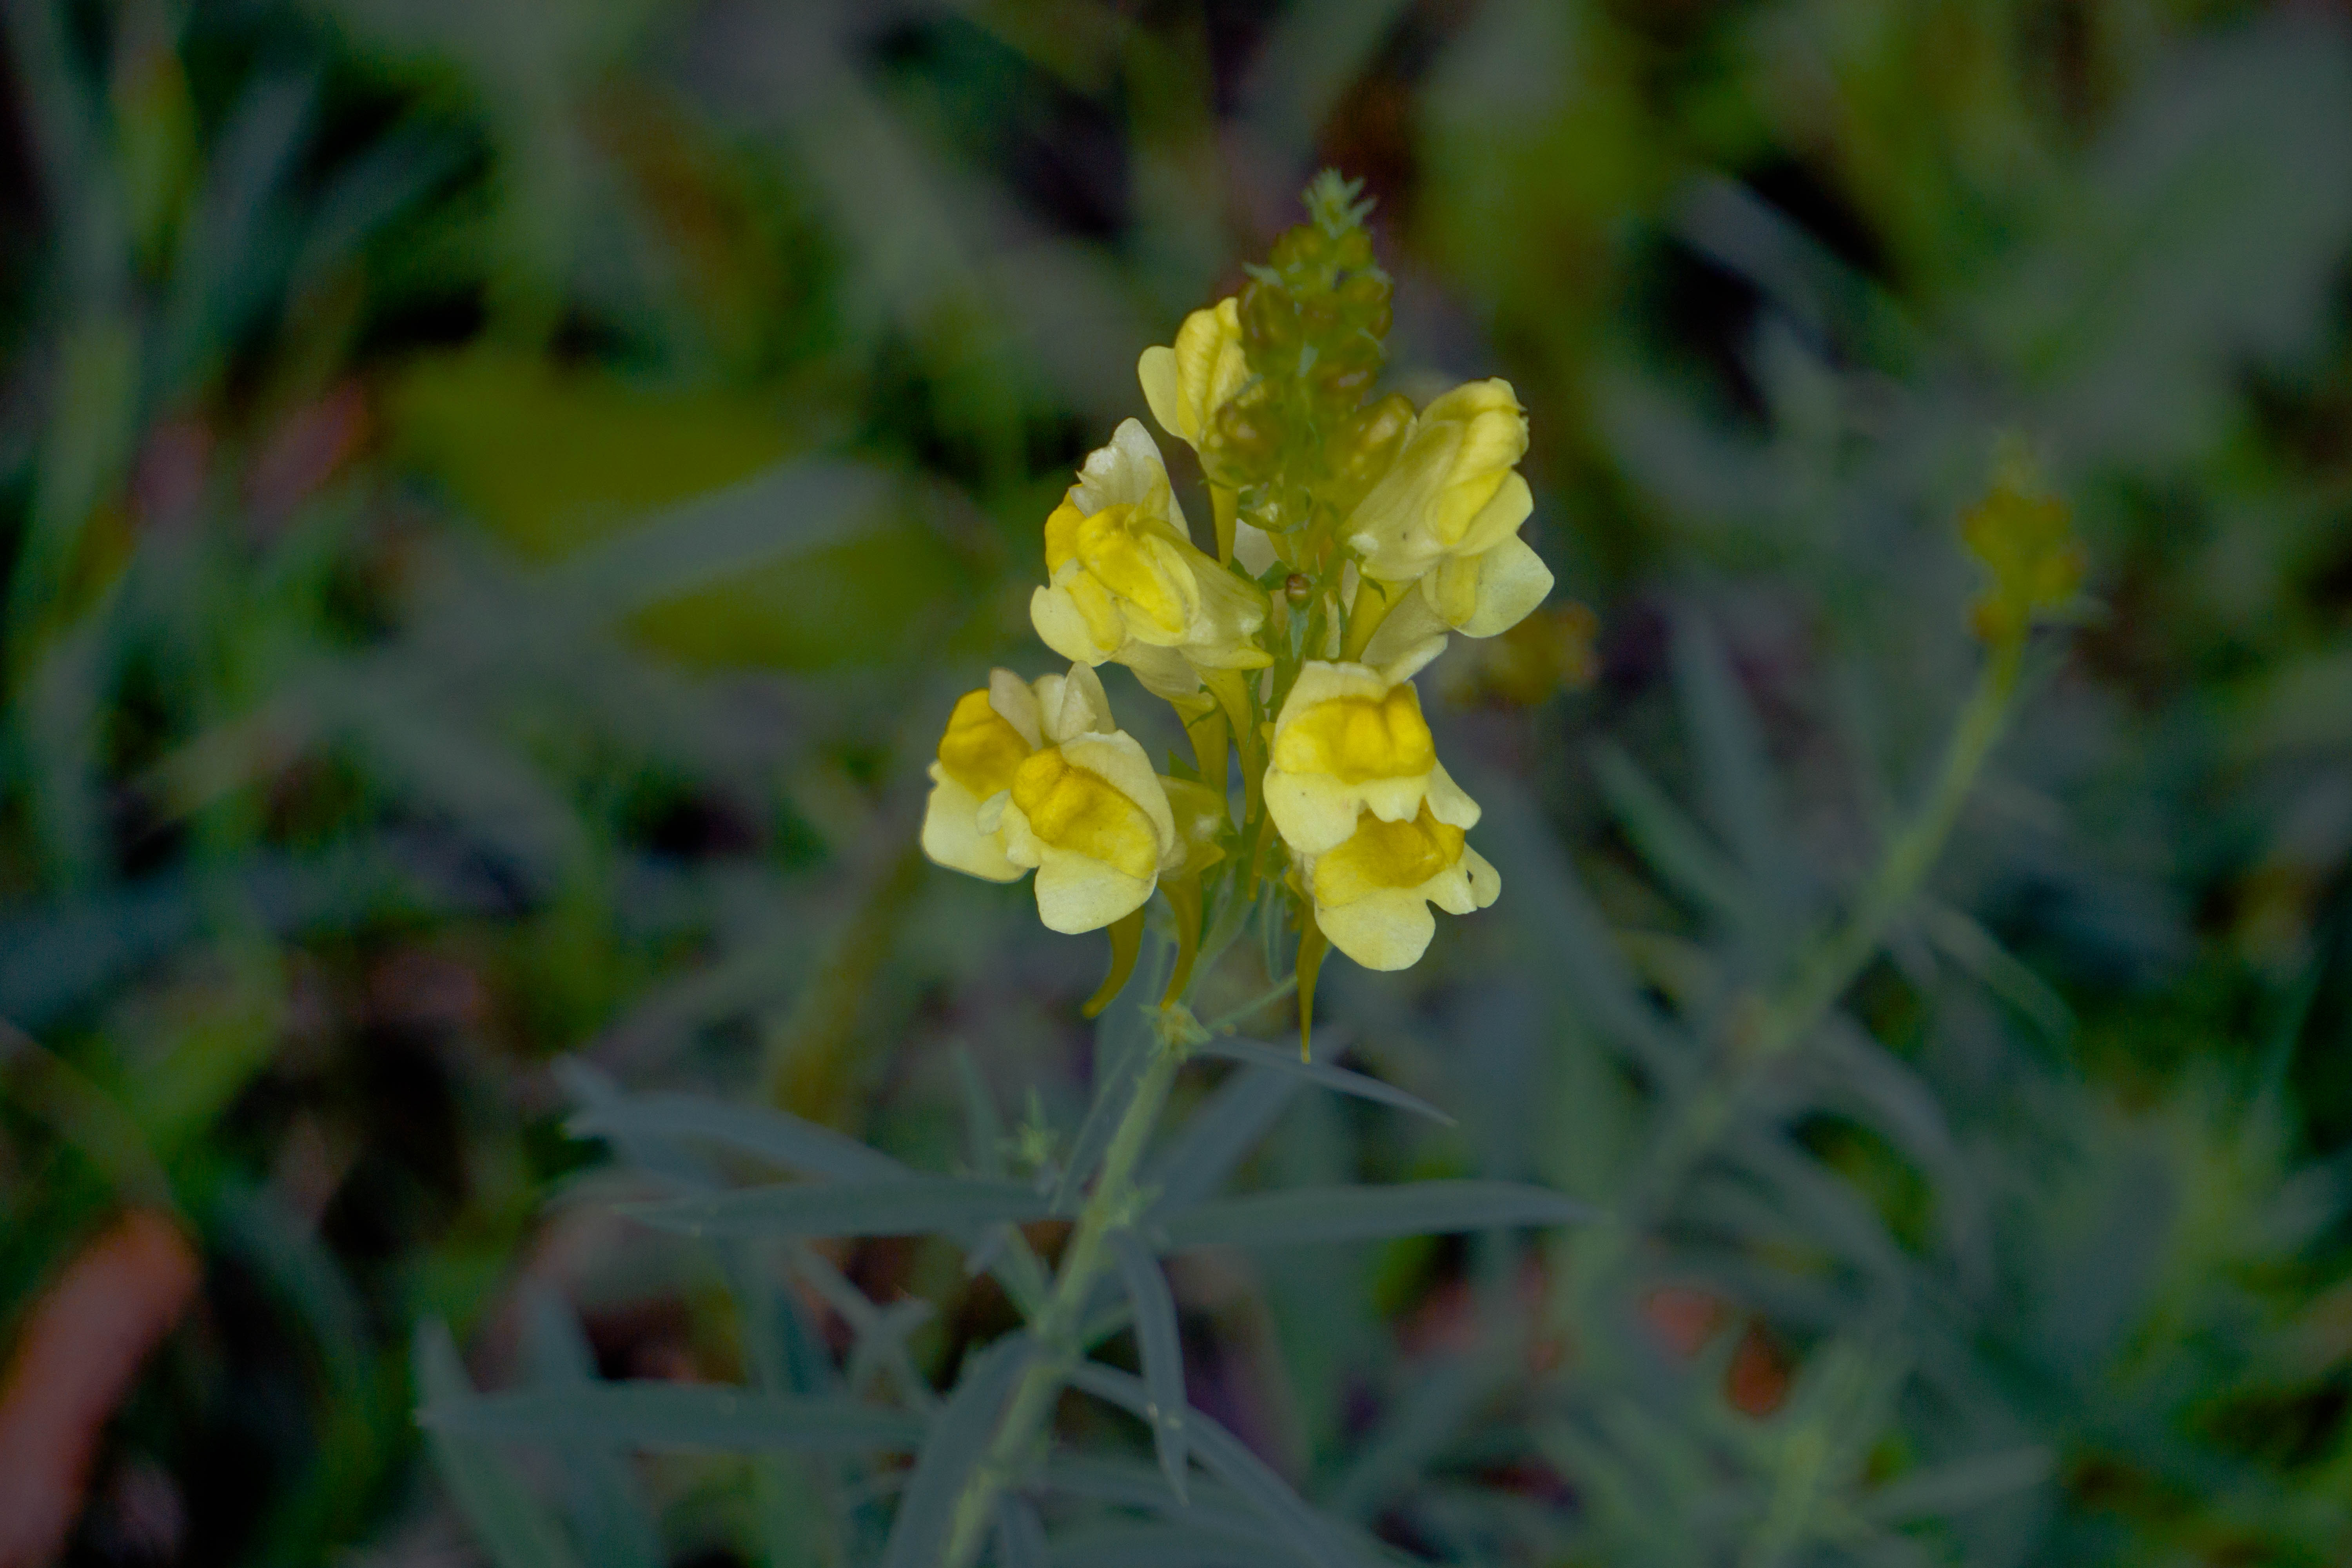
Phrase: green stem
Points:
(1057, 1328)
(1833, 962)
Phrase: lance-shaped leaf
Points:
(1220, 1132)
(918, 1534)
(675, 1415)
(608, 1508)
(1163, 1355)
(1115, 1093)
(1323, 1075)
(906, 1207)
(507, 1520)
(1165, 1545)
(772, 1135)
(1355, 1214)
(1297, 1524)
(1020, 1533)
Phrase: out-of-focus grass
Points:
(500, 497)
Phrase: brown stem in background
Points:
(76, 1359)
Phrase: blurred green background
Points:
(498, 498)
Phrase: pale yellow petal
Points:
(1387, 930)
(1061, 626)
(952, 837)
(1512, 580)
(1449, 802)
(1119, 760)
(1076, 894)
(1499, 519)
(1157, 371)
(1314, 812)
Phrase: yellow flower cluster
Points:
(1350, 542)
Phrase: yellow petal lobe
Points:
(980, 750)
(1356, 738)
(1072, 808)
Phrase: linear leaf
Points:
(1674, 845)
(1111, 1099)
(1733, 769)
(608, 1509)
(1225, 1127)
(772, 1135)
(910, 1207)
(1266, 1493)
(676, 1416)
(1020, 1533)
(1958, 1487)
(507, 1520)
(1163, 1351)
(1322, 1074)
(1167, 1545)
(1355, 1214)
(918, 1534)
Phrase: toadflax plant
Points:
(1352, 537)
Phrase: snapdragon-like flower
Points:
(1453, 490)
(1186, 384)
(989, 735)
(1350, 740)
(1371, 892)
(1092, 818)
(1127, 584)
(1039, 777)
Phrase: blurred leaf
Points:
(1020, 1533)
(673, 1416)
(1292, 1520)
(904, 1206)
(1355, 1214)
(776, 1136)
(1157, 1341)
(958, 1439)
(1218, 1135)
(1956, 1487)
(1669, 841)
(507, 1520)
(1322, 1074)
(609, 1514)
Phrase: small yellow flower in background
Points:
(1453, 489)
(1371, 892)
(1093, 818)
(2025, 538)
(1350, 740)
(991, 733)
(1127, 584)
(1186, 384)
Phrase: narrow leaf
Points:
(1020, 1533)
(918, 1534)
(1674, 845)
(507, 1520)
(1322, 1074)
(1225, 1127)
(608, 1508)
(1957, 1487)
(1266, 1493)
(1111, 1099)
(675, 1415)
(1160, 1546)
(772, 1135)
(908, 1206)
(1163, 1351)
(1355, 1214)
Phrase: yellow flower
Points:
(1453, 491)
(1093, 818)
(991, 733)
(1479, 595)
(1372, 892)
(1186, 384)
(1127, 584)
(1350, 739)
